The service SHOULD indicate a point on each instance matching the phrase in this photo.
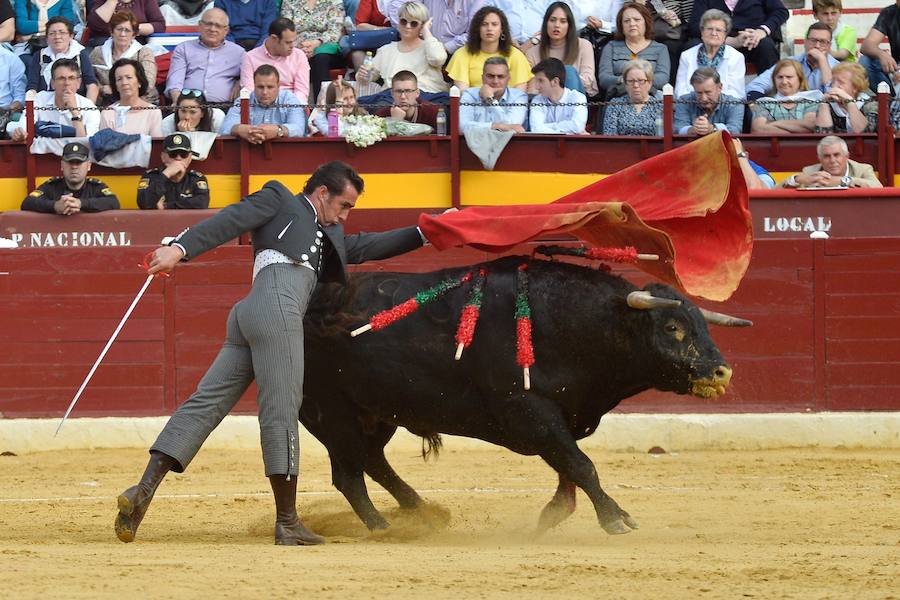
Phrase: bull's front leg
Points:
(536, 425)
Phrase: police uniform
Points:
(190, 192)
(95, 196)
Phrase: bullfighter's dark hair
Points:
(143, 83)
(552, 68)
(473, 44)
(335, 176)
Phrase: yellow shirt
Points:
(468, 67)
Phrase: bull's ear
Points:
(645, 300)
(717, 318)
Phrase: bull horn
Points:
(717, 318)
(645, 300)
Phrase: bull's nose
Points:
(722, 375)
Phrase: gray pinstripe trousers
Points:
(264, 340)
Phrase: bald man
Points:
(210, 64)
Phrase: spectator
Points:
(640, 113)
(146, 13)
(319, 24)
(882, 64)
(713, 52)
(556, 108)
(525, 18)
(491, 105)
(248, 21)
(7, 22)
(755, 27)
(670, 19)
(848, 108)
(598, 15)
(193, 114)
(706, 109)
(756, 176)
(417, 51)
(129, 86)
(123, 44)
(368, 18)
(815, 61)
(633, 39)
(834, 169)
(451, 19)
(63, 105)
(407, 106)
(60, 44)
(792, 110)
(341, 96)
(488, 36)
(183, 12)
(74, 192)
(559, 39)
(32, 16)
(843, 37)
(279, 51)
(176, 185)
(211, 63)
(274, 112)
(12, 82)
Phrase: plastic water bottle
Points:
(659, 126)
(441, 122)
(368, 61)
(333, 131)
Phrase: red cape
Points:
(689, 205)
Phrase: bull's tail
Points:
(431, 445)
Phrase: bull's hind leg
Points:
(536, 425)
(378, 468)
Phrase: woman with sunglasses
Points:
(193, 113)
(418, 52)
(123, 44)
(488, 36)
(559, 39)
(130, 113)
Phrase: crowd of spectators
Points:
(539, 66)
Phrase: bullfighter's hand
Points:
(164, 259)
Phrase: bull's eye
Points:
(675, 330)
(671, 328)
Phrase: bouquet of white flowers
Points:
(364, 130)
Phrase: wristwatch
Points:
(792, 181)
(536, 41)
(75, 117)
(743, 154)
(280, 131)
(846, 181)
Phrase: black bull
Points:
(594, 346)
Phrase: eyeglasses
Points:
(191, 93)
(405, 92)
(179, 153)
(818, 42)
(213, 25)
(636, 81)
(405, 23)
(718, 30)
(69, 78)
(123, 30)
(58, 33)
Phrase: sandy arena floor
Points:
(774, 524)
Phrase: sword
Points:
(107, 347)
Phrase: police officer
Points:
(74, 192)
(175, 185)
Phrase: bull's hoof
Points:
(630, 521)
(378, 523)
(296, 534)
(615, 527)
(133, 505)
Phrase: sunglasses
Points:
(191, 93)
(179, 154)
(405, 23)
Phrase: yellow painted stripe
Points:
(384, 190)
(497, 188)
(12, 192)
